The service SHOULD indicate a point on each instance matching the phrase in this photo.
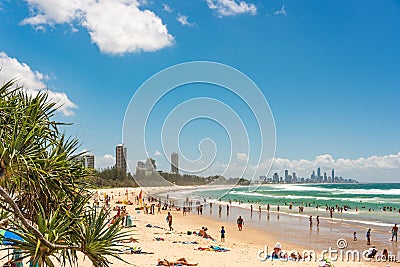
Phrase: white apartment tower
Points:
(174, 163)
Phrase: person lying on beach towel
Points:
(155, 226)
(214, 248)
(159, 239)
(134, 250)
(130, 240)
(186, 242)
(181, 261)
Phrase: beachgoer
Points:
(181, 261)
(310, 221)
(240, 223)
(317, 220)
(130, 240)
(17, 258)
(169, 221)
(395, 229)
(355, 236)
(276, 253)
(277, 208)
(259, 209)
(251, 209)
(368, 235)
(385, 255)
(222, 234)
(371, 252)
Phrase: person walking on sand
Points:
(355, 236)
(222, 234)
(240, 223)
(310, 221)
(368, 235)
(169, 220)
(395, 229)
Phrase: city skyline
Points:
(329, 73)
(148, 166)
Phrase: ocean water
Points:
(366, 202)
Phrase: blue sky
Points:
(329, 69)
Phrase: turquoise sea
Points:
(366, 202)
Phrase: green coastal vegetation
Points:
(44, 190)
(112, 177)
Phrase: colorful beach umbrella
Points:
(7, 237)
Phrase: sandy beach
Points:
(157, 242)
(244, 246)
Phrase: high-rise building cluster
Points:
(314, 178)
(149, 166)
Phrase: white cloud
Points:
(231, 7)
(184, 20)
(104, 161)
(33, 81)
(373, 167)
(157, 153)
(167, 8)
(115, 26)
(282, 11)
(241, 156)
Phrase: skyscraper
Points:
(287, 176)
(276, 178)
(319, 173)
(333, 175)
(120, 155)
(174, 163)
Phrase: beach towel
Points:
(214, 248)
(133, 250)
(186, 242)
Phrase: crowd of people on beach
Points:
(187, 206)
